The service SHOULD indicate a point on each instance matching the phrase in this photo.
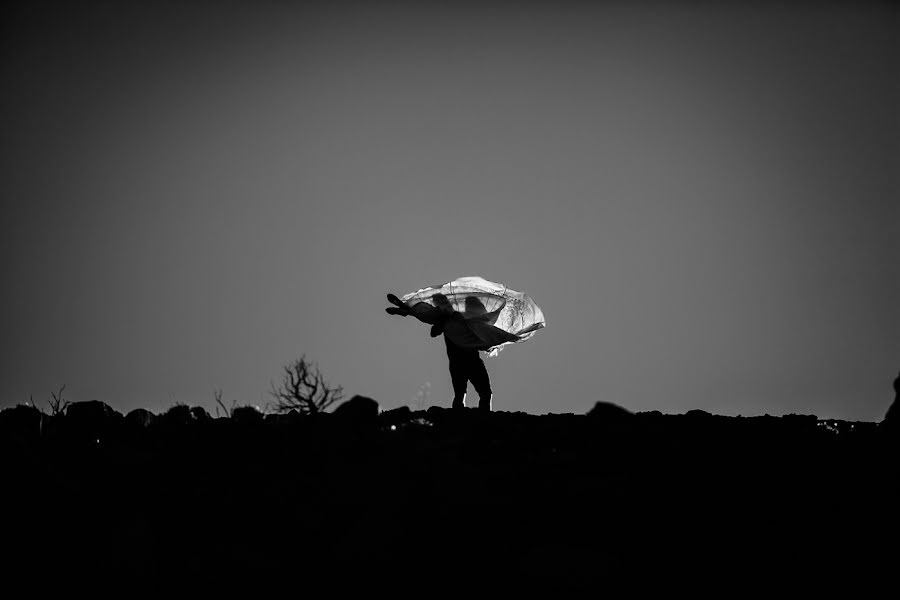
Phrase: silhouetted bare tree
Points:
(304, 389)
(57, 404)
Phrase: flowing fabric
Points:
(477, 313)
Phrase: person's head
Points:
(441, 301)
(474, 306)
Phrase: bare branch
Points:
(217, 394)
(304, 389)
(57, 404)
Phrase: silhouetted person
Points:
(465, 363)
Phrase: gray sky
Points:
(703, 201)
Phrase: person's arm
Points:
(420, 310)
(400, 308)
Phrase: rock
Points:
(696, 413)
(358, 409)
(609, 412)
(91, 410)
(91, 420)
(652, 414)
(140, 418)
(396, 416)
(436, 412)
(290, 418)
(22, 422)
(246, 414)
(178, 415)
(200, 414)
(799, 423)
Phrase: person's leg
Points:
(459, 377)
(481, 381)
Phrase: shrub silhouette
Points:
(304, 389)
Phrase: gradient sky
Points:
(704, 201)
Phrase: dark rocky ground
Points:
(442, 502)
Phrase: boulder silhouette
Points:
(200, 413)
(610, 412)
(396, 416)
(22, 422)
(246, 414)
(696, 413)
(140, 418)
(92, 419)
(359, 409)
(178, 415)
